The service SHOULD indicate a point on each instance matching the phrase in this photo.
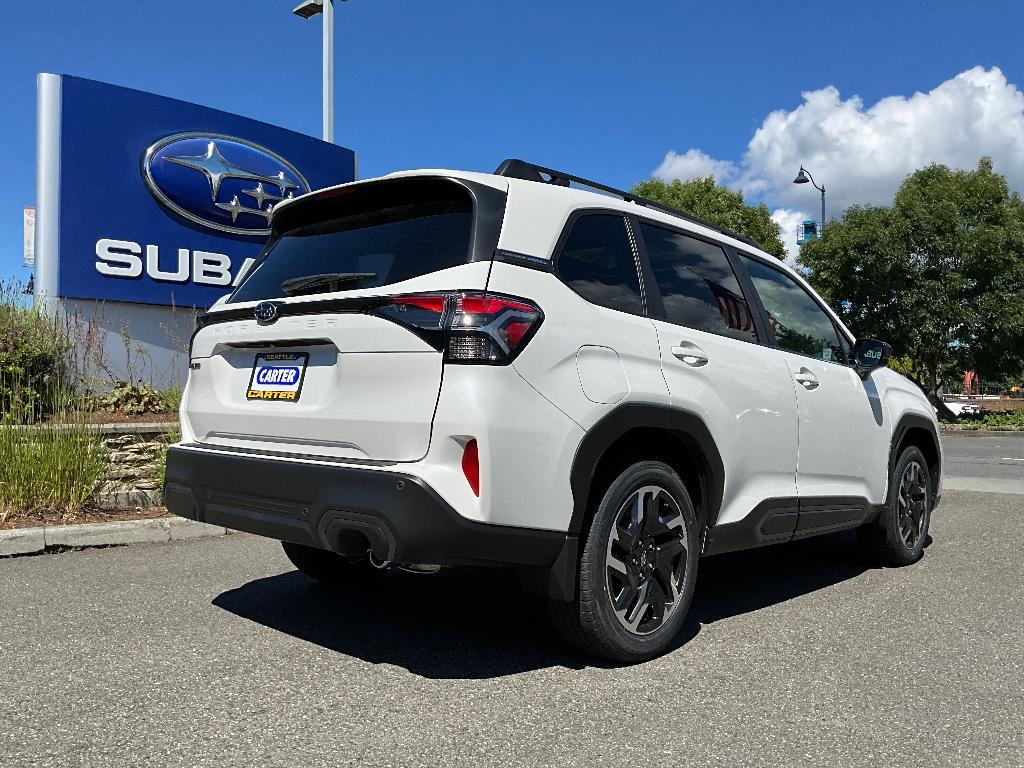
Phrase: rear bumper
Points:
(332, 507)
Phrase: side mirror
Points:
(869, 354)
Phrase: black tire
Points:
(328, 567)
(898, 536)
(662, 552)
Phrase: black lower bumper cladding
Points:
(402, 519)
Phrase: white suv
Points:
(440, 368)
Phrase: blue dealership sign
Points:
(151, 200)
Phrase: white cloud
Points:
(694, 164)
(789, 221)
(862, 153)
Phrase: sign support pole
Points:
(328, 64)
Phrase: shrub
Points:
(34, 346)
(996, 420)
(126, 397)
(42, 468)
(171, 398)
(1004, 420)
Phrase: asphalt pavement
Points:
(984, 461)
(215, 652)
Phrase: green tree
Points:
(939, 274)
(719, 205)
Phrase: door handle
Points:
(690, 354)
(807, 379)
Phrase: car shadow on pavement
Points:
(741, 582)
(459, 623)
(473, 623)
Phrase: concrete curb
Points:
(22, 541)
(983, 485)
(115, 428)
(30, 541)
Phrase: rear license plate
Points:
(277, 376)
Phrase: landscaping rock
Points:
(131, 478)
(128, 499)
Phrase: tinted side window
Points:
(697, 284)
(800, 324)
(597, 262)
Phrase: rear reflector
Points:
(470, 328)
(471, 466)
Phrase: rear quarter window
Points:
(596, 261)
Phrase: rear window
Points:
(364, 238)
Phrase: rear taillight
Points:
(470, 328)
(422, 312)
(490, 329)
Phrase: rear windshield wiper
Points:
(333, 280)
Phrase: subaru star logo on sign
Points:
(222, 182)
(161, 201)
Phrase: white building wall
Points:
(138, 342)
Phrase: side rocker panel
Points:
(776, 521)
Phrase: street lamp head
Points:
(801, 178)
(310, 8)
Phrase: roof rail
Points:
(520, 169)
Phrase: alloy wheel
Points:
(646, 559)
(912, 505)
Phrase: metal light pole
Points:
(802, 178)
(307, 10)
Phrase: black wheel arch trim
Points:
(905, 423)
(562, 576)
(627, 417)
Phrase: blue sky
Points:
(600, 88)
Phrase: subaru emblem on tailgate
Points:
(220, 182)
(265, 312)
